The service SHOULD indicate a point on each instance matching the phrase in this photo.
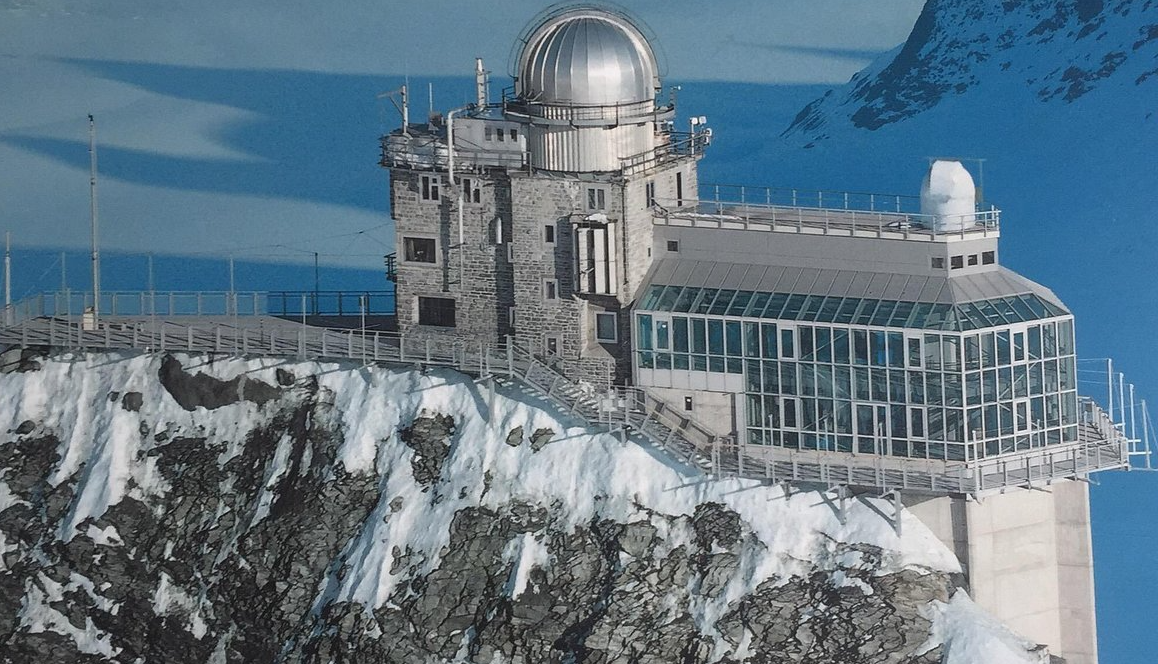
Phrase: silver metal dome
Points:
(587, 57)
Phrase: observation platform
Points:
(636, 412)
(837, 213)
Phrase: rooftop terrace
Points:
(841, 213)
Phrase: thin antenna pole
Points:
(1110, 377)
(1122, 399)
(232, 297)
(406, 110)
(317, 282)
(480, 82)
(63, 271)
(96, 256)
(1133, 429)
(430, 94)
(1146, 433)
(7, 277)
(152, 286)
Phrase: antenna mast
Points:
(96, 254)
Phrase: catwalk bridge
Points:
(242, 325)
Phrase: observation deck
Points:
(838, 213)
(424, 147)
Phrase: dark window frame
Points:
(436, 311)
(412, 252)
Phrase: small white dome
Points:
(588, 57)
(948, 196)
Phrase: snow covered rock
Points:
(1057, 51)
(338, 513)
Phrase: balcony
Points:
(799, 211)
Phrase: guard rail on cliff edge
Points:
(636, 412)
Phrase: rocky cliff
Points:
(1052, 51)
(184, 509)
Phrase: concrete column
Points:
(1028, 560)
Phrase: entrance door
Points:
(872, 429)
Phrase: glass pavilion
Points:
(911, 379)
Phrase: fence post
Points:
(510, 357)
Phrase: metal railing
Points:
(679, 144)
(822, 212)
(799, 220)
(1102, 444)
(582, 114)
(75, 304)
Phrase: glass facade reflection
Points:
(826, 374)
(850, 310)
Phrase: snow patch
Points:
(525, 552)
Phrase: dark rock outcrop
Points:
(242, 551)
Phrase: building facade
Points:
(870, 339)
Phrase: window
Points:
(988, 257)
(650, 189)
(549, 233)
(552, 343)
(596, 199)
(511, 316)
(418, 250)
(957, 262)
(595, 258)
(972, 259)
(938, 262)
(673, 245)
(436, 311)
(606, 324)
(679, 188)
(514, 134)
(502, 135)
(487, 133)
(470, 190)
(510, 252)
(688, 403)
(429, 188)
(550, 289)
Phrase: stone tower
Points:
(532, 217)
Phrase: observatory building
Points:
(866, 342)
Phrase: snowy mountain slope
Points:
(181, 509)
(1055, 51)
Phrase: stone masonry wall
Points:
(483, 292)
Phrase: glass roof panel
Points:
(668, 299)
(775, 305)
(884, 312)
(686, 299)
(980, 314)
(740, 303)
(864, 313)
(650, 298)
(793, 306)
(704, 301)
(812, 307)
(828, 309)
(756, 306)
(720, 305)
(847, 310)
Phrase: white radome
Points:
(948, 196)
